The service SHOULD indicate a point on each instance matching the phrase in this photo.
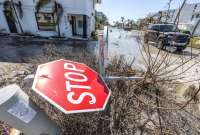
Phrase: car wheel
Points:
(160, 44)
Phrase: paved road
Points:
(130, 46)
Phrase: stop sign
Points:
(71, 87)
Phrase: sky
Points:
(135, 9)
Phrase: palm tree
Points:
(122, 21)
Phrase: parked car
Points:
(163, 35)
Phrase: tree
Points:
(122, 21)
(168, 10)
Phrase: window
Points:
(155, 27)
(168, 28)
(46, 21)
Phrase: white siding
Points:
(29, 23)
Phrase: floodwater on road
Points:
(121, 43)
(126, 44)
(129, 45)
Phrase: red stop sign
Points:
(71, 87)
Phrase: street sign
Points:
(71, 87)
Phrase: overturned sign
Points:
(71, 87)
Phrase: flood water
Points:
(121, 43)
(126, 44)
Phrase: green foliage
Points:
(100, 21)
(94, 35)
(10, 15)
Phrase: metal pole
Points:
(17, 110)
(101, 45)
(117, 78)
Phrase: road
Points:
(121, 43)
(130, 45)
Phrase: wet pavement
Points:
(121, 43)
(130, 45)
(15, 49)
(125, 44)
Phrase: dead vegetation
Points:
(148, 106)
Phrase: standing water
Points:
(125, 43)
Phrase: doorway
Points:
(79, 25)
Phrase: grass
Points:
(195, 42)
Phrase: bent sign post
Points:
(71, 87)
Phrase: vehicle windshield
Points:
(168, 28)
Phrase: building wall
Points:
(29, 23)
(185, 18)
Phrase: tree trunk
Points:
(168, 10)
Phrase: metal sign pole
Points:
(103, 37)
(17, 110)
(117, 78)
(101, 46)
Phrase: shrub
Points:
(94, 35)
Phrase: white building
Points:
(188, 18)
(48, 18)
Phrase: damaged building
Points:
(48, 18)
